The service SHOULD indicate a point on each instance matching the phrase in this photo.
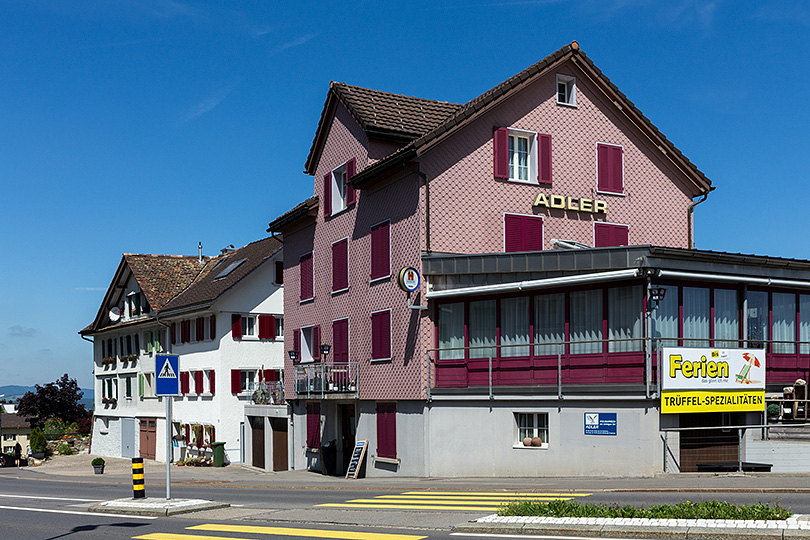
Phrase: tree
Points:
(57, 399)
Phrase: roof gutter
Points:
(537, 284)
(735, 279)
(380, 167)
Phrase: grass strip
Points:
(684, 510)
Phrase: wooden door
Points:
(257, 435)
(279, 426)
(348, 428)
(148, 437)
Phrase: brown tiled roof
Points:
(162, 277)
(207, 287)
(13, 421)
(476, 106)
(299, 211)
(380, 113)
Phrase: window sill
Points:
(522, 447)
(378, 279)
(392, 461)
(340, 291)
(306, 301)
(376, 360)
(569, 105)
(205, 394)
(615, 193)
(338, 212)
(526, 182)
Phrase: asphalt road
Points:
(36, 506)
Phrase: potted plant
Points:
(98, 465)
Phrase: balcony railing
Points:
(323, 380)
(551, 368)
(268, 393)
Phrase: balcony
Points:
(327, 381)
(268, 393)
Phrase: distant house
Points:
(223, 317)
(15, 429)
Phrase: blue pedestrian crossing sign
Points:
(168, 375)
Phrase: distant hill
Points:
(14, 392)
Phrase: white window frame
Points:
(306, 345)
(537, 429)
(621, 193)
(279, 327)
(514, 134)
(348, 274)
(149, 385)
(570, 83)
(206, 389)
(248, 385)
(390, 336)
(250, 322)
(339, 189)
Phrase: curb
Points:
(155, 507)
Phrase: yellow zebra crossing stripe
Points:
(278, 531)
(449, 500)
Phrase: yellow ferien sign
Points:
(697, 401)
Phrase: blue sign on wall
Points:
(168, 375)
(600, 423)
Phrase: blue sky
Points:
(150, 126)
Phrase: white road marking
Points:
(95, 514)
(12, 496)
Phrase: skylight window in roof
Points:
(230, 268)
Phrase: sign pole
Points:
(168, 447)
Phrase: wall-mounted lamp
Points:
(325, 350)
(293, 355)
(656, 295)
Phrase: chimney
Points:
(199, 252)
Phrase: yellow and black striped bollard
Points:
(138, 486)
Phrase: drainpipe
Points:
(427, 205)
(168, 328)
(690, 243)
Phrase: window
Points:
(624, 318)
(482, 329)
(306, 271)
(152, 339)
(313, 424)
(586, 322)
(248, 325)
(609, 169)
(695, 317)
(451, 330)
(381, 250)
(515, 336)
(242, 380)
(726, 318)
(210, 375)
(609, 234)
(128, 387)
(522, 156)
(523, 233)
(185, 331)
(185, 385)
(340, 265)
(146, 385)
(549, 323)
(387, 430)
(784, 323)
(199, 329)
(338, 194)
(381, 335)
(804, 323)
(665, 319)
(566, 90)
(279, 326)
(531, 425)
(309, 341)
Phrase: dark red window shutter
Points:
(236, 326)
(305, 266)
(269, 375)
(213, 433)
(621, 234)
(185, 331)
(513, 233)
(500, 144)
(280, 272)
(173, 333)
(184, 387)
(381, 334)
(297, 343)
(610, 170)
(523, 233)
(236, 381)
(606, 235)
(213, 324)
(351, 169)
(188, 434)
(381, 250)
(264, 332)
(544, 159)
(200, 329)
(532, 233)
(313, 425)
(198, 382)
(340, 341)
(212, 386)
(340, 265)
(327, 194)
(387, 430)
(316, 342)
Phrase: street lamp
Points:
(656, 295)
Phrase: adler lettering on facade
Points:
(563, 202)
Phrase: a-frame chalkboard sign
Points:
(357, 458)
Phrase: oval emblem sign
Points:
(409, 279)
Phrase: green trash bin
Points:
(219, 454)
